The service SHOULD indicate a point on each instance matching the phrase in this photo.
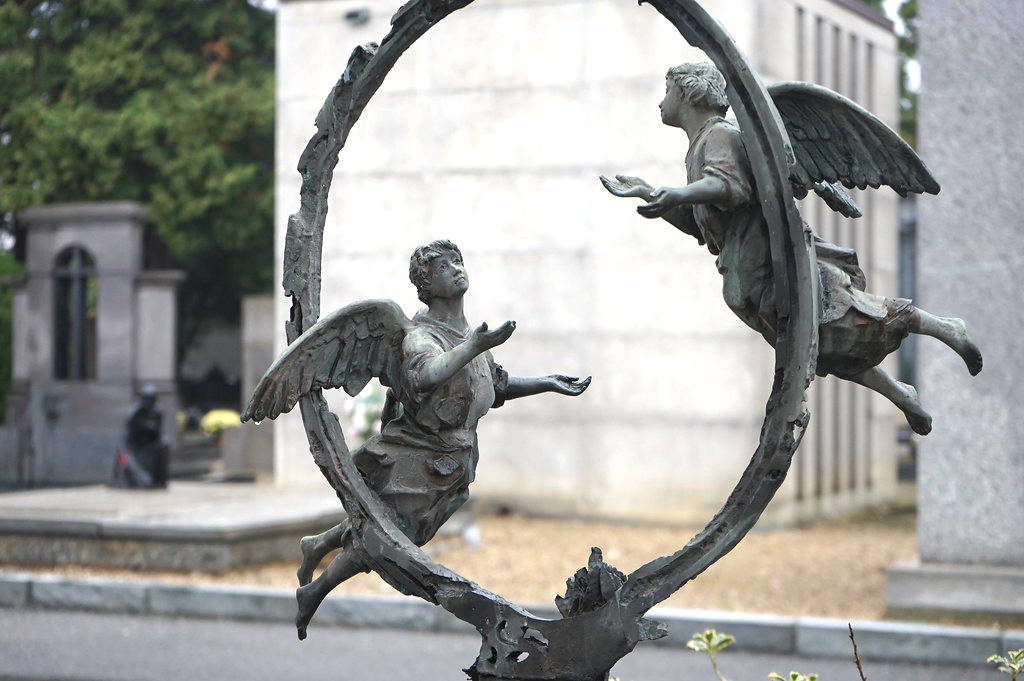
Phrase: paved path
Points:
(66, 646)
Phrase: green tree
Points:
(166, 102)
(9, 270)
(908, 53)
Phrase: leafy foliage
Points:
(908, 52)
(9, 269)
(793, 676)
(711, 642)
(167, 102)
(1012, 663)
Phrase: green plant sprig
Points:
(1012, 663)
(793, 676)
(711, 642)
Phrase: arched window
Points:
(75, 309)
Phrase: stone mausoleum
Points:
(91, 325)
(492, 131)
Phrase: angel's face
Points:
(448, 278)
(673, 105)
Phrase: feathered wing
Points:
(833, 194)
(345, 349)
(836, 141)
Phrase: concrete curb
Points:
(891, 641)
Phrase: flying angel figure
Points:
(442, 379)
(835, 142)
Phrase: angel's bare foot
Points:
(309, 596)
(315, 547)
(308, 602)
(952, 332)
(903, 395)
(963, 345)
(312, 553)
(920, 421)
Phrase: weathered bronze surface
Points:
(442, 380)
(603, 609)
(835, 142)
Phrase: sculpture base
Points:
(495, 678)
(979, 589)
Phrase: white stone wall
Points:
(491, 131)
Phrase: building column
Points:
(971, 249)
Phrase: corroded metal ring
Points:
(517, 644)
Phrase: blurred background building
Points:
(492, 132)
(93, 322)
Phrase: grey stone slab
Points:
(380, 611)
(13, 524)
(227, 602)
(896, 641)
(131, 554)
(1013, 640)
(101, 595)
(189, 526)
(973, 588)
(221, 530)
(752, 632)
(14, 590)
(970, 500)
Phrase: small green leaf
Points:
(793, 676)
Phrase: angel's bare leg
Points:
(903, 395)
(952, 332)
(345, 565)
(315, 547)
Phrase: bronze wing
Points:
(345, 349)
(838, 142)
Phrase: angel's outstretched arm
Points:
(523, 386)
(708, 189)
(437, 369)
(680, 217)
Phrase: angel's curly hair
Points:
(419, 265)
(701, 84)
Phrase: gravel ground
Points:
(832, 568)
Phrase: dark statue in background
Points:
(834, 140)
(442, 379)
(805, 296)
(143, 461)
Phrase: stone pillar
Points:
(249, 449)
(156, 314)
(971, 252)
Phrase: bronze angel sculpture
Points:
(442, 379)
(835, 142)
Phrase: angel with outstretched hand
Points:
(442, 379)
(835, 142)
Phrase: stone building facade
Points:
(492, 131)
(91, 326)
